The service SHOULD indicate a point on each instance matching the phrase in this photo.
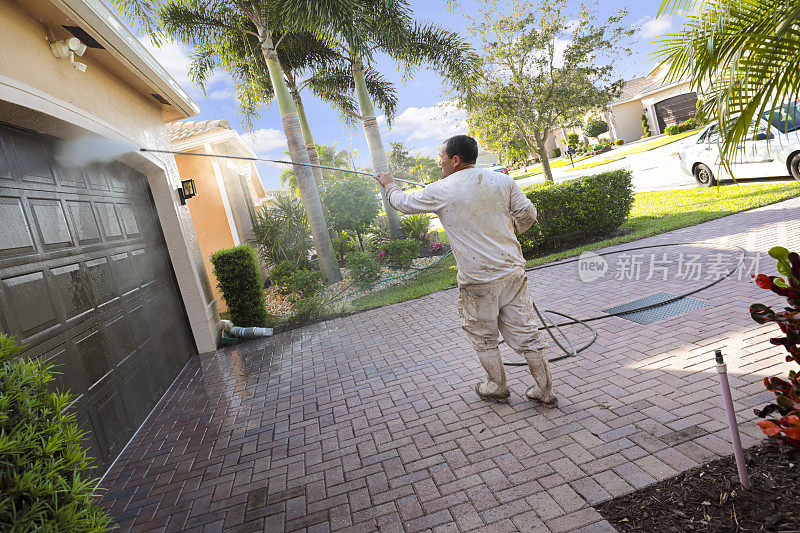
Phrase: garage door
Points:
(676, 110)
(85, 282)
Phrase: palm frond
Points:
(741, 57)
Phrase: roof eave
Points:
(94, 17)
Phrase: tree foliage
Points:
(352, 204)
(281, 232)
(540, 64)
(329, 156)
(422, 169)
(595, 127)
(740, 55)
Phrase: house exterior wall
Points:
(627, 118)
(43, 93)
(208, 214)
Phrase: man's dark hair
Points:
(462, 146)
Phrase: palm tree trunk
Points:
(311, 147)
(375, 144)
(297, 152)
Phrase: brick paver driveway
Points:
(369, 422)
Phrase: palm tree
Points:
(740, 55)
(387, 26)
(212, 26)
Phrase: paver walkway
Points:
(369, 422)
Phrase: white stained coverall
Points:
(480, 210)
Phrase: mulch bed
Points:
(710, 497)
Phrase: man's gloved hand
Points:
(385, 179)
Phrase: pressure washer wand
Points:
(370, 174)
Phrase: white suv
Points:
(772, 149)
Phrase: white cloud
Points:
(419, 126)
(655, 27)
(175, 58)
(222, 94)
(263, 141)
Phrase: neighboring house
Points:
(664, 105)
(100, 270)
(228, 190)
(268, 200)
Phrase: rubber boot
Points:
(495, 387)
(542, 392)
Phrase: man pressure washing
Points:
(480, 211)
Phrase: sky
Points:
(424, 118)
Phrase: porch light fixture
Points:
(187, 191)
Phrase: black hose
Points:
(573, 320)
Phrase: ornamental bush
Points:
(363, 269)
(399, 253)
(291, 278)
(645, 125)
(44, 481)
(240, 282)
(575, 209)
(556, 152)
(416, 226)
(619, 142)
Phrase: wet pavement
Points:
(370, 422)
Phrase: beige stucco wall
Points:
(627, 119)
(208, 214)
(65, 102)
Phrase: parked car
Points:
(499, 168)
(771, 150)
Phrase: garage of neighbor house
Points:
(100, 271)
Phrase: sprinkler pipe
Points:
(281, 161)
(722, 371)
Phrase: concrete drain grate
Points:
(654, 314)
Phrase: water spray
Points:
(281, 161)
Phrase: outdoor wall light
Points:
(187, 191)
(70, 48)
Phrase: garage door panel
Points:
(15, 234)
(33, 159)
(85, 281)
(93, 442)
(72, 290)
(92, 348)
(51, 223)
(32, 303)
(84, 221)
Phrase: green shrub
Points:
(399, 253)
(619, 142)
(575, 209)
(305, 283)
(572, 141)
(44, 484)
(280, 274)
(556, 152)
(646, 125)
(281, 232)
(363, 268)
(604, 142)
(343, 245)
(595, 127)
(673, 129)
(689, 124)
(416, 226)
(242, 287)
(381, 227)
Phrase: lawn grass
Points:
(658, 143)
(598, 163)
(553, 164)
(652, 213)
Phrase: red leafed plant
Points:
(785, 429)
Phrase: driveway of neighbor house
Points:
(369, 422)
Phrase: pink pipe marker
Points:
(722, 370)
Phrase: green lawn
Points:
(658, 143)
(598, 163)
(519, 174)
(652, 213)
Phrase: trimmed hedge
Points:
(240, 282)
(576, 209)
(44, 481)
(686, 125)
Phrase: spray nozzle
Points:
(718, 357)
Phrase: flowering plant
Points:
(436, 247)
(785, 429)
